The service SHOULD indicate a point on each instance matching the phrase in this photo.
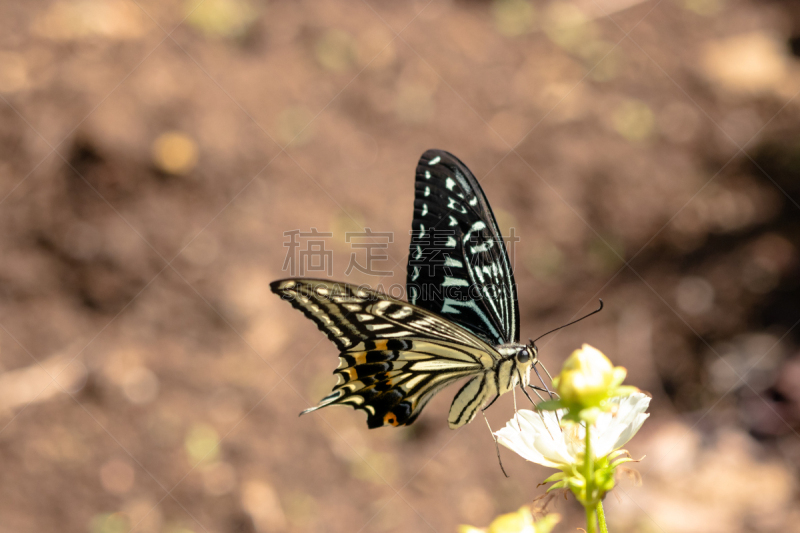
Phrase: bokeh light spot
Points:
(336, 50)
(109, 523)
(567, 25)
(223, 18)
(513, 17)
(634, 120)
(202, 444)
(112, 19)
(704, 7)
(753, 62)
(175, 152)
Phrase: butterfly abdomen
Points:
(472, 396)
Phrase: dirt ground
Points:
(153, 155)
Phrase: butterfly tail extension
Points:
(326, 401)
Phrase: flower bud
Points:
(587, 378)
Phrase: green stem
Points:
(588, 472)
(601, 515)
(591, 519)
(588, 460)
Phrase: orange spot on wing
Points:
(390, 418)
(360, 357)
(352, 373)
(381, 344)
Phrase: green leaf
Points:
(555, 477)
(560, 485)
(550, 405)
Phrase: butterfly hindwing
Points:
(394, 356)
(394, 384)
(458, 265)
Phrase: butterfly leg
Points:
(541, 415)
(496, 446)
(524, 391)
(528, 396)
(542, 381)
(536, 391)
(547, 389)
(548, 376)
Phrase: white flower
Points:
(538, 437)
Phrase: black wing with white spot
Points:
(394, 356)
(458, 265)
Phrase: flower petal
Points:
(549, 437)
(530, 436)
(614, 430)
(539, 438)
(640, 403)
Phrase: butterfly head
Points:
(525, 358)
(528, 354)
(522, 357)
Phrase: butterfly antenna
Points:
(533, 343)
(573, 322)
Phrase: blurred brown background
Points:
(154, 153)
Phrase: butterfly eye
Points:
(523, 356)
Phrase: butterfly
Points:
(461, 320)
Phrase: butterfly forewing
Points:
(458, 265)
(394, 356)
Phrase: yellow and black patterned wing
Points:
(394, 356)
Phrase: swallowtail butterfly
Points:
(461, 321)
